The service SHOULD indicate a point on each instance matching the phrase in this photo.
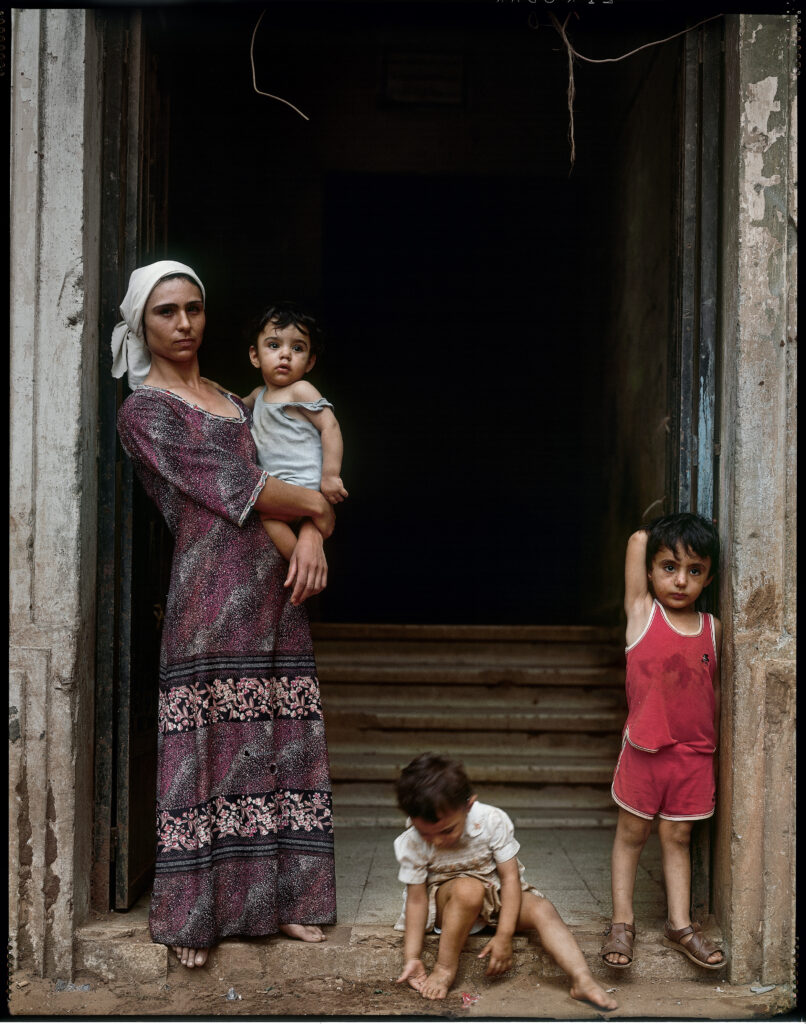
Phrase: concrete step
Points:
(476, 668)
(464, 708)
(105, 952)
(372, 805)
(522, 745)
(574, 765)
(497, 695)
(413, 632)
(382, 672)
(513, 799)
(568, 816)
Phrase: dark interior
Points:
(463, 273)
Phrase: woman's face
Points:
(174, 320)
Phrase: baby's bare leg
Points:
(285, 540)
(458, 904)
(539, 914)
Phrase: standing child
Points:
(458, 860)
(297, 436)
(668, 751)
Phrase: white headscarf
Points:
(129, 350)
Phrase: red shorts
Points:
(676, 783)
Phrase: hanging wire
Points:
(572, 52)
(254, 80)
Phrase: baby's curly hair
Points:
(432, 786)
(284, 314)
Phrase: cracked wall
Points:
(55, 204)
(755, 849)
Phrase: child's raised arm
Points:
(637, 596)
(416, 917)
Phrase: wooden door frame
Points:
(134, 162)
(692, 461)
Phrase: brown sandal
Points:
(697, 949)
(620, 938)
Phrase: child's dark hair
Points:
(431, 787)
(284, 314)
(694, 533)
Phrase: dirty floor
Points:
(352, 974)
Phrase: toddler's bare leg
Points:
(539, 914)
(458, 904)
(675, 842)
(632, 833)
(285, 540)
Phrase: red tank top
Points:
(670, 685)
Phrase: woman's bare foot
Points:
(191, 957)
(586, 990)
(306, 932)
(438, 982)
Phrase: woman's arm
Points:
(307, 567)
(280, 500)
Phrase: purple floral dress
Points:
(244, 824)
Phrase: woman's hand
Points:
(307, 570)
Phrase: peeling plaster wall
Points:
(55, 204)
(755, 850)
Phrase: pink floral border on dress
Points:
(238, 700)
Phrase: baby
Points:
(458, 860)
(297, 436)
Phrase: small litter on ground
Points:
(760, 989)
(232, 995)
(468, 1000)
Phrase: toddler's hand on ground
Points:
(499, 951)
(333, 489)
(414, 973)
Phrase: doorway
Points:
(464, 277)
(498, 329)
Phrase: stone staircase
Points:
(534, 712)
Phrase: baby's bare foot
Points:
(306, 932)
(191, 957)
(438, 982)
(586, 990)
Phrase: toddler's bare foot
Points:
(191, 957)
(438, 982)
(306, 932)
(586, 990)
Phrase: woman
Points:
(244, 825)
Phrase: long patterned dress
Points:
(244, 823)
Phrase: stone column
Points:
(754, 868)
(55, 204)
